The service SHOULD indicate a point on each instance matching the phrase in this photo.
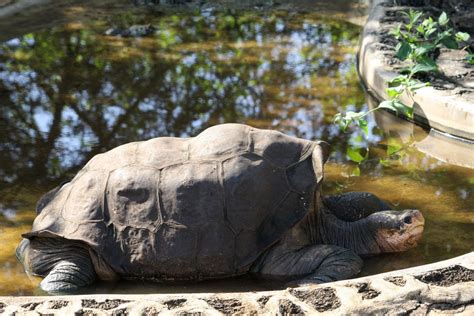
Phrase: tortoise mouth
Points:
(400, 240)
(415, 235)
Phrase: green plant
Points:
(470, 57)
(418, 42)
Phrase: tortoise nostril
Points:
(407, 220)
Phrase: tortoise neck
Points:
(359, 236)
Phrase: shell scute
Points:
(132, 199)
(253, 188)
(213, 143)
(191, 194)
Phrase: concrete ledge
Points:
(444, 287)
(440, 145)
(450, 111)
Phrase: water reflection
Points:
(69, 93)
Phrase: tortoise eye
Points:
(138, 195)
(407, 220)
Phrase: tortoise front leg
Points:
(69, 276)
(313, 264)
(353, 206)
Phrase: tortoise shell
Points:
(187, 208)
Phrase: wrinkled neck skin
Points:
(359, 236)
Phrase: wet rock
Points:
(107, 304)
(397, 280)
(287, 307)
(226, 306)
(321, 299)
(366, 290)
(448, 276)
(176, 303)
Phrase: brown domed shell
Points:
(188, 208)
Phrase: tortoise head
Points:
(397, 231)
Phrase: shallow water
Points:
(70, 92)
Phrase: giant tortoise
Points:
(230, 201)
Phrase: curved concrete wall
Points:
(444, 287)
(448, 111)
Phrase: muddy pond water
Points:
(70, 92)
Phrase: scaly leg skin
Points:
(353, 206)
(68, 276)
(65, 265)
(314, 264)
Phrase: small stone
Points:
(397, 280)
(366, 290)
(107, 304)
(175, 303)
(287, 307)
(322, 299)
(226, 306)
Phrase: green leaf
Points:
(421, 29)
(427, 61)
(385, 162)
(388, 104)
(397, 106)
(450, 42)
(429, 23)
(398, 80)
(356, 171)
(425, 67)
(443, 19)
(391, 149)
(462, 37)
(447, 33)
(403, 50)
(416, 15)
(413, 15)
(394, 146)
(424, 49)
(396, 32)
(354, 154)
(415, 85)
(363, 125)
(429, 32)
(403, 108)
(470, 59)
(394, 92)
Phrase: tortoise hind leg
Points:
(313, 264)
(65, 265)
(353, 206)
(68, 276)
